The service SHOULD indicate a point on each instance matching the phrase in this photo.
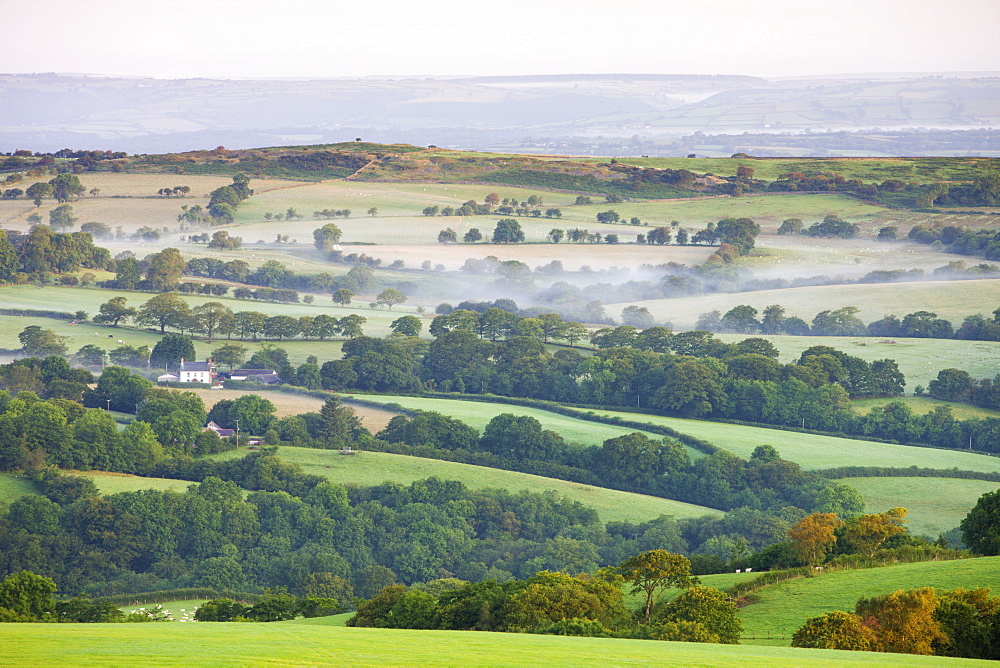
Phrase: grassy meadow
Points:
(294, 643)
(952, 300)
(936, 505)
(374, 468)
(918, 359)
(778, 610)
(13, 487)
(924, 405)
(477, 414)
(811, 451)
(815, 451)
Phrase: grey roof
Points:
(196, 366)
(251, 372)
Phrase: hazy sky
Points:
(334, 38)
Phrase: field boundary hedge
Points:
(908, 472)
(167, 595)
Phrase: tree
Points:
(707, 606)
(169, 351)
(326, 237)
(129, 273)
(27, 594)
(338, 424)
(655, 571)
(390, 297)
(38, 342)
(231, 354)
(114, 311)
(835, 630)
(447, 236)
(62, 218)
(951, 384)
(472, 236)
(981, 527)
(658, 235)
(212, 316)
(222, 241)
(903, 621)
(90, 355)
(66, 187)
(813, 536)
(408, 325)
(253, 413)
(167, 309)
(38, 192)
(342, 297)
(868, 532)
(555, 235)
(638, 317)
(165, 269)
(507, 231)
(790, 226)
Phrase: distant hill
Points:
(600, 114)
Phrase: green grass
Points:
(924, 405)
(14, 487)
(289, 643)
(918, 359)
(814, 451)
(811, 451)
(952, 300)
(936, 505)
(374, 468)
(782, 608)
(477, 414)
(113, 483)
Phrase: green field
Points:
(112, 483)
(14, 487)
(936, 505)
(292, 643)
(952, 300)
(782, 608)
(924, 405)
(811, 451)
(477, 414)
(918, 359)
(106, 337)
(374, 468)
(815, 451)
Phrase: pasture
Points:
(811, 451)
(374, 468)
(477, 414)
(936, 505)
(112, 483)
(13, 487)
(952, 300)
(815, 451)
(779, 609)
(924, 405)
(294, 643)
(918, 359)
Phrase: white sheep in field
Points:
(120, 341)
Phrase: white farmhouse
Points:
(197, 372)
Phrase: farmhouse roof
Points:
(196, 366)
(251, 372)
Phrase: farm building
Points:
(197, 372)
(258, 375)
(223, 433)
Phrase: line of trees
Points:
(844, 321)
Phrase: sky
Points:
(334, 38)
